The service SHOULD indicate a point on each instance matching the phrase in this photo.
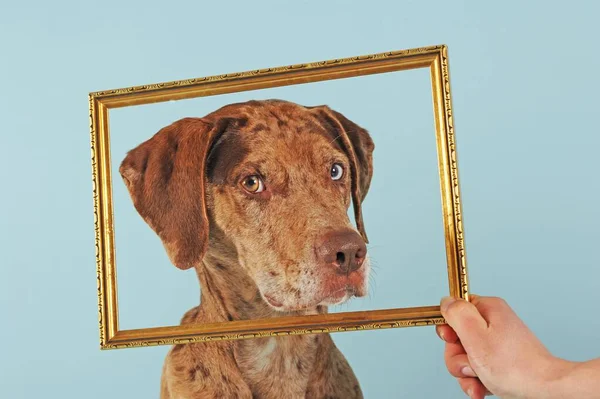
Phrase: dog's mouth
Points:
(328, 289)
(340, 296)
(273, 302)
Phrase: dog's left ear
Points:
(359, 147)
(165, 177)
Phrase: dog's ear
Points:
(359, 147)
(165, 177)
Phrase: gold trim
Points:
(245, 329)
(434, 57)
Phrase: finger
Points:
(452, 350)
(493, 309)
(473, 388)
(446, 333)
(465, 320)
(458, 365)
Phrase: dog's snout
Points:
(345, 250)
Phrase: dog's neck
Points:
(229, 293)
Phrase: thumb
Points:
(466, 321)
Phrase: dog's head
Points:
(278, 179)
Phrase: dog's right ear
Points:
(165, 177)
(359, 147)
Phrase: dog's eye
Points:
(253, 184)
(337, 171)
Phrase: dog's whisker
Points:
(374, 266)
(336, 137)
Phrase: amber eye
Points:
(253, 184)
(337, 171)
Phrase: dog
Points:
(255, 197)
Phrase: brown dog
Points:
(255, 196)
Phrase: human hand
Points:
(491, 351)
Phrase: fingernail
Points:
(468, 371)
(442, 336)
(446, 301)
(470, 393)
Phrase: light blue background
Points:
(402, 212)
(525, 100)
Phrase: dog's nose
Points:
(345, 250)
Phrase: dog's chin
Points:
(328, 299)
(344, 294)
(338, 298)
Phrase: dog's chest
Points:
(277, 367)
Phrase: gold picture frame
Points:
(434, 57)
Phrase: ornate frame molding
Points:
(434, 57)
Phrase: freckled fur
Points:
(183, 182)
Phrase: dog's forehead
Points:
(258, 108)
(280, 132)
(277, 121)
(273, 132)
(271, 114)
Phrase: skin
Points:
(259, 235)
(491, 351)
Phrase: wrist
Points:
(555, 377)
(579, 380)
(558, 378)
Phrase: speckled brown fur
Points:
(254, 253)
